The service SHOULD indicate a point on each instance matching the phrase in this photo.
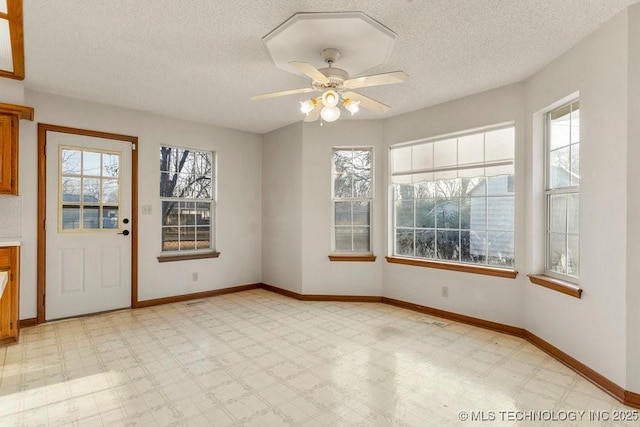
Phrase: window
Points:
(563, 190)
(187, 192)
(89, 189)
(11, 39)
(454, 198)
(352, 197)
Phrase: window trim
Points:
(437, 263)
(552, 279)
(171, 256)
(557, 285)
(14, 16)
(355, 256)
(189, 254)
(454, 266)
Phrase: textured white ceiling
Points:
(201, 60)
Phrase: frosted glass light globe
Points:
(330, 114)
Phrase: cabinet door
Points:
(8, 154)
(6, 315)
(9, 300)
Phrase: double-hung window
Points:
(352, 200)
(563, 191)
(453, 198)
(187, 192)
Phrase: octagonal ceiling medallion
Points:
(363, 42)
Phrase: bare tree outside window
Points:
(187, 193)
(352, 197)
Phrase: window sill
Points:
(557, 285)
(188, 256)
(353, 258)
(465, 268)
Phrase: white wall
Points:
(633, 204)
(11, 91)
(282, 208)
(238, 219)
(274, 206)
(321, 276)
(486, 297)
(591, 329)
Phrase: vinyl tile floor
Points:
(257, 358)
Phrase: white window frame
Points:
(334, 200)
(435, 170)
(212, 203)
(550, 192)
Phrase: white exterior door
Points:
(88, 240)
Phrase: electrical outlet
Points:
(445, 291)
(194, 276)
(146, 210)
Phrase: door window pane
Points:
(110, 165)
(90, 217)
(71, 162)
(110, 217)
(70, 217)
(91, 163)
(71, 189)
(89, 180)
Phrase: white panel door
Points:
(88, 250)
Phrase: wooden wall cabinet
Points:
(8, 154)
(10, 116)
(9, 302)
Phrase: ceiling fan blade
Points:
(282, 93)
(368, 103)
(376, 80)
(314, 114)
(310, 71)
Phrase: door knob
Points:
(125, 232)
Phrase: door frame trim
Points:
(42, 207)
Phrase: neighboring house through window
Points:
(352, 200)
(187, 192)
(89, 190)
(563, 190)
(454, 198)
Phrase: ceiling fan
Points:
(335, 85)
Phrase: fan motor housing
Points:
(336, 77)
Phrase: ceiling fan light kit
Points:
(298, 37)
